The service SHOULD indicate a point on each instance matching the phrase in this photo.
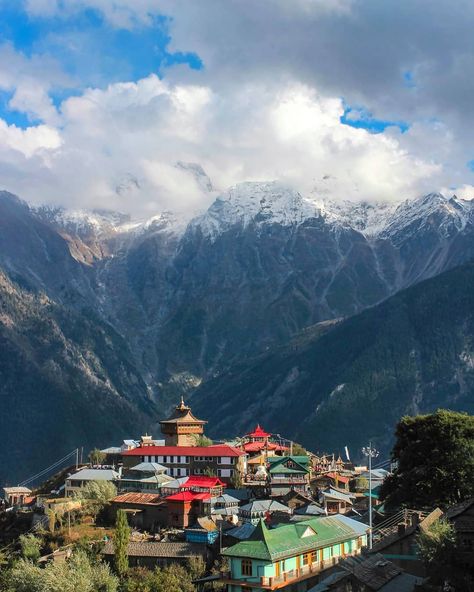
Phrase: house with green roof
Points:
(280, 558)
(288, 473)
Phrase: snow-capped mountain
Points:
(260, 264)
(255, 202)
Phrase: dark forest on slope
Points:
(353, 380)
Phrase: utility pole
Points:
(77, 458)
(371, 453)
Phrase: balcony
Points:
(288, 479)
(287, 577)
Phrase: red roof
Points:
(203, 481)
(188, 496)
(217, 450)
(337, 477)
(259, 433)
(258, 446)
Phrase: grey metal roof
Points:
(225, 498)
(312, 509)
(149, 467)
(258, 506)
(158, 549)
(158, 479)
(242, 532)
(112, 450)
(229, 511)
(177, 483)
(94, 475)
(333, 493)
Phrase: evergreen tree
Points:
(121, 539)
(435, 455)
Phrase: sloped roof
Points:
(203, 481)
(204, 523)
(217, 450)
(258, 506)
(338, 495)
(312, 509)
(277, 464)
(149, 467)
(158, 549)
(337, 477)
(225, 498)
(94, 475)
(187, 496)
(242, 532)
(460, 508)
(182, 414)
(289, 539)
(138, 498)
(259, 433)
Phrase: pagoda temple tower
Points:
(182, 428)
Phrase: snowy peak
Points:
(86, 223)
(429, 212)
(255, 202)
(368, 218)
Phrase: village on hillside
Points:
(258, 513)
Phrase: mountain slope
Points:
(352, 382)
(66, 380)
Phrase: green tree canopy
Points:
(78, 574)
(30, 547)
(202, 440)
(97, 457)
(121, 540)
(440, 551)
(435, 455)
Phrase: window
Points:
(246, 567)
(306, 559)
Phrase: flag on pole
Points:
(347, 453)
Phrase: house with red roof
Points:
(222, 460)
(260, 441)
(185, 506)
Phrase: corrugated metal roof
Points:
(259, 506)
(289, 539)
(158, 549)
(138, 498)
(94, 475)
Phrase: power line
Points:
(50, 468)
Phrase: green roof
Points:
(291, 539)
(302, 459)
(277, 464)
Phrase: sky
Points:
(351, 99)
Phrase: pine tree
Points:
(121, 539)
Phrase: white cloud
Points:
(140, 130)
(266, 106)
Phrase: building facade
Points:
(283, 557)
(222, 460)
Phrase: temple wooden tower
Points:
(182, 428)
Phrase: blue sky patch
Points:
(88, 50)
(360, 118)
(470, 165)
